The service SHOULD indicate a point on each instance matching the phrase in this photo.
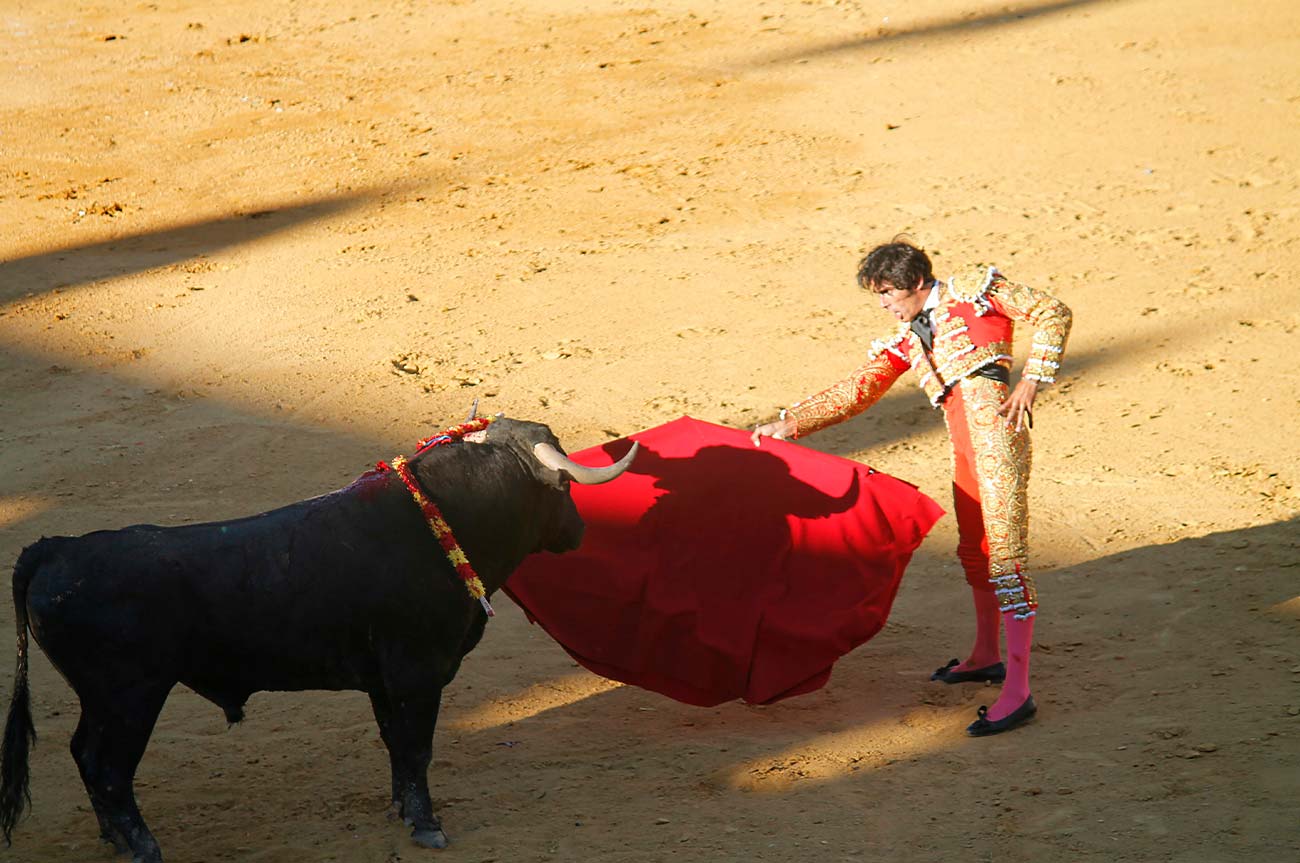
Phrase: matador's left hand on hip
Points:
(1019, 406)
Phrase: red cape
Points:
(715, 570)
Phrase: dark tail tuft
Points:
(20, 732)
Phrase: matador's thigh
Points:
(991, 462)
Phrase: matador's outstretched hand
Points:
(779, 429)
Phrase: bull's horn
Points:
(473, 411)
(556, 460)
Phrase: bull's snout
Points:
(568, 537)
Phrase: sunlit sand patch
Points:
(837, 754)
(16, 509)
(1288, 608)
(539, 698)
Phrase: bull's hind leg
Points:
(107, 831)
(406, 725)
(107, 746)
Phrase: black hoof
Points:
(429, 838)
(145, 850)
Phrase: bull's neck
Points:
(487, 524)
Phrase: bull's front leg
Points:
(379, 703)
(406, 725)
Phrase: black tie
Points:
(921, 326)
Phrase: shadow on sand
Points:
(73, 266)
(927, 32)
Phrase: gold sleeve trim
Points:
(1050, 318)
(849, 397)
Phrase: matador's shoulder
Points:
(892, 342)
(972, 282)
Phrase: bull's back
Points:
(153, 597)
(296, 598)
(107, 598)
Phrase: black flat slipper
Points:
(983, 726)
(995, 673)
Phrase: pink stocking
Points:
(1020, 635)
(988, 627)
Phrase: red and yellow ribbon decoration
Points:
(433, 516)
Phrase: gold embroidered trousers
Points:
(991, 462)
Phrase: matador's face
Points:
(903, 303)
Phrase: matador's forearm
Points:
(847, 398)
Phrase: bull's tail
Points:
(20, 732)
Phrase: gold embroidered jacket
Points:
(973, 328)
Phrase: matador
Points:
(956, 335)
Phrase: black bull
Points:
(348, 591)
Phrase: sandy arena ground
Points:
(249, 248)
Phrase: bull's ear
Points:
(479, 436)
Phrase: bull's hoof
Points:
(429, 838)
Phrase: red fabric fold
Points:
(714, 570)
